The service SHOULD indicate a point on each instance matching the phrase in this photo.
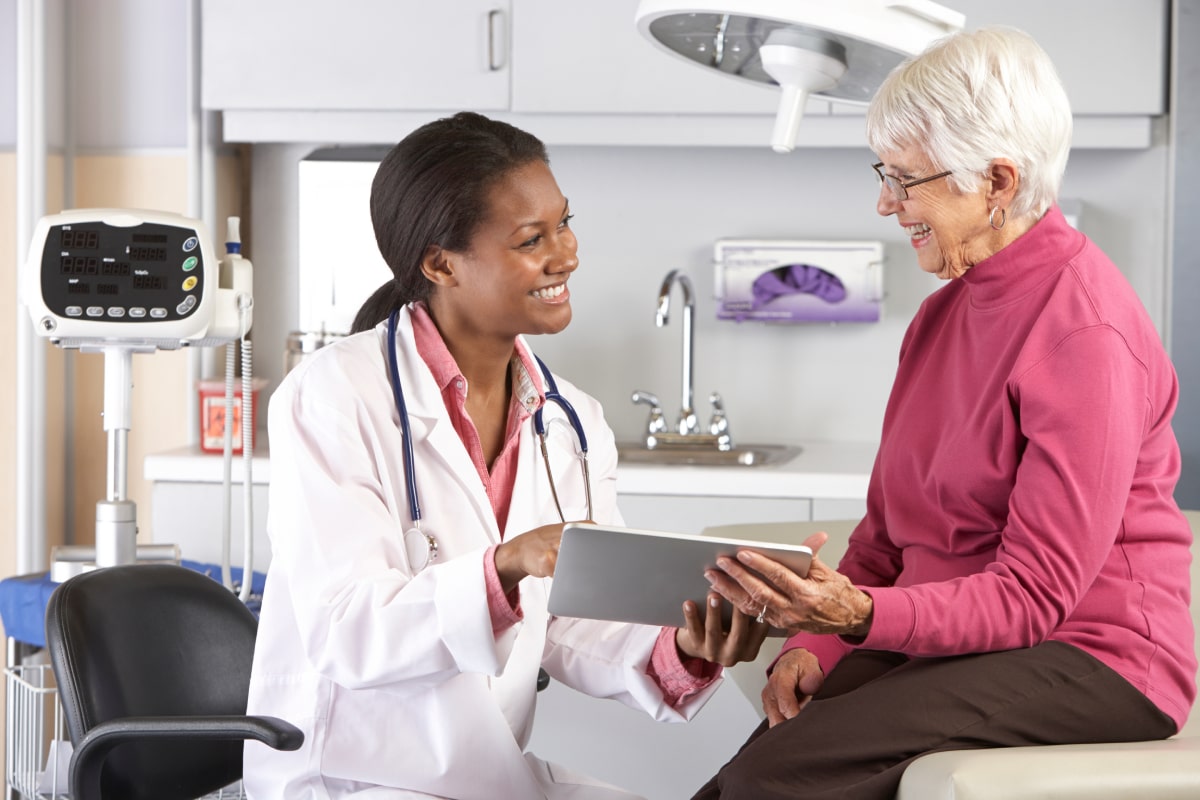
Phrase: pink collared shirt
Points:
(678, 680)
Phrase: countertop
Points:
(835, 470)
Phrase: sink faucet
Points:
(687, 413)
(687, 432)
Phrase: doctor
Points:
(404, 619)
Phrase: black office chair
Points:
(153, 669)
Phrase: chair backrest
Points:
(151, 640)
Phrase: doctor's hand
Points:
(794, 679)
(825, 601)
(704, 636)
(533, 553)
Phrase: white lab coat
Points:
(396, 679)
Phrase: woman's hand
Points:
(823, 602)
(794, 679)
(704, 636)
(534, 553)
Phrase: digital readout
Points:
(90, 265)
(80, 240)
(79, 265)
(141, 253)
(153, 282)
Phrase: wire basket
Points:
(37, 751)
(35, 756)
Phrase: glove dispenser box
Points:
(798, 281)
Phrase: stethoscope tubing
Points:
(410, 473)
(551, 395)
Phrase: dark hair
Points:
(431, 189)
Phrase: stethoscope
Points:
(422, 546)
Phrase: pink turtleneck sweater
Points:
(1023, 486)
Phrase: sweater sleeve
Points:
(871, 559)
(1083, 412)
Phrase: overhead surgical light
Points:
(837, 49)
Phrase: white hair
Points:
(975, 96)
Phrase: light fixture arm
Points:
(841, 50)
(801, 64)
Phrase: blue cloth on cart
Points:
(23, 599)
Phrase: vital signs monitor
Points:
(120, 282)
(152, 278)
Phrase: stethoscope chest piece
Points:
(421, 547)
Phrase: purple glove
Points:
(797, 279)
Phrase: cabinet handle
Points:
(496, 39)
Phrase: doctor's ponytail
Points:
(431, 189)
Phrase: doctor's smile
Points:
(553, 294)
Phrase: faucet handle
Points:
(719, 423)
(657, 423)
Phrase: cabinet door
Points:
(581, 58)
(355, 54)
(1110, 54)
(589, 58)
(694, 513)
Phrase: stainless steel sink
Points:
(747, 455)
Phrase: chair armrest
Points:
(87, 760)
(1163, 770)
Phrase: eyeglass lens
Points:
(894, 185)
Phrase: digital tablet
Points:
(630, 575)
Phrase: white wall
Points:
(642, 211)
(1184, 251)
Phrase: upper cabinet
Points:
(589, 58)
(1110, 54)
(355, 55)
(364, 71)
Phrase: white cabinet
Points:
(1110, 54)
(693, 513)
(368, 71)
(590, 58)
(355, 55)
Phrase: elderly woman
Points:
(1021, 575)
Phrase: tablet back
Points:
(632, 575)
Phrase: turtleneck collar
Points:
(1037, 255)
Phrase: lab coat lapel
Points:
(434, 436)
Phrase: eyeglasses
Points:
(900, 188)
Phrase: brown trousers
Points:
(877, 712)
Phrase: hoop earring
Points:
(992, 218)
